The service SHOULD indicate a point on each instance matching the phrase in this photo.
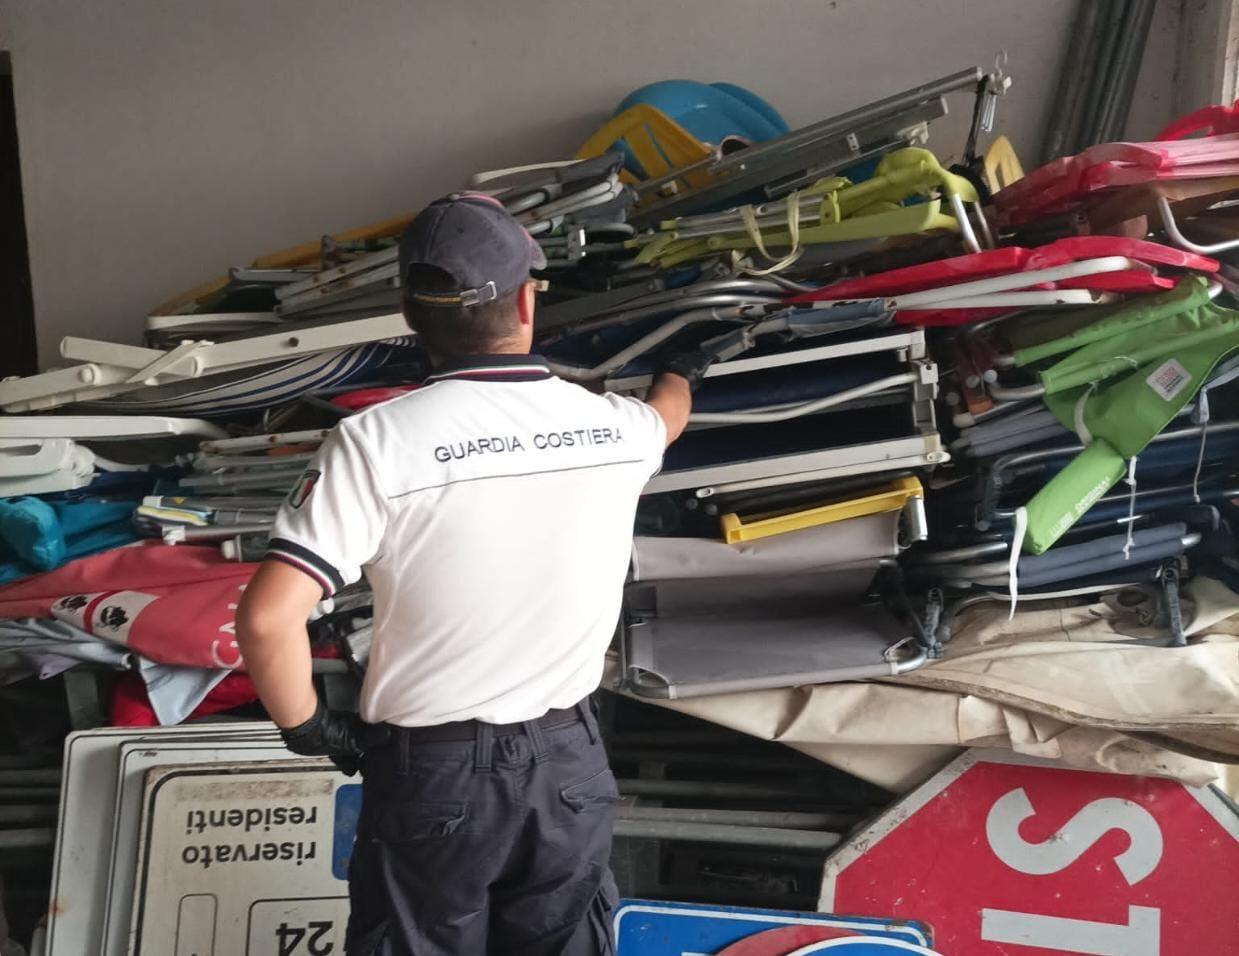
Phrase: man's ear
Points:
(524, 303)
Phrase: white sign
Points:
(247, 859)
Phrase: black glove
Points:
(688, 365)
(328, 733)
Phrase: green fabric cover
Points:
(1124, 378)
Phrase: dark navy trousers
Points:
(498, 845)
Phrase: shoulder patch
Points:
(304, 486)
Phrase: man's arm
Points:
(672, 398)
(272, 637)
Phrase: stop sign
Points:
(1009, 856)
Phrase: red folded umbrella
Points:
(171, 604)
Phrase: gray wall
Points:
(165, 140)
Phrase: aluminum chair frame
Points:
(836, 141)
(113, 369)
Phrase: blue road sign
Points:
(648, 928)
(344, 830)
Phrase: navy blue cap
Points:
(472, 238)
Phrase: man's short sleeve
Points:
(646, 426)
(332, 522)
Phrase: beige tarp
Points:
(1057, 681)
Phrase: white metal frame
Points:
(915, 451)
(224, 445)
(913, 340)
(227, 320)
(364, 263)
(105, 427)
(1180, 240)
(114, 369)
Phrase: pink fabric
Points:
(1059, 185)
(172, 604)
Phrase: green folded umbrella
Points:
(1117, 383)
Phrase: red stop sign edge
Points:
(1211, 800)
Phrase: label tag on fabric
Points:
(1168, 380)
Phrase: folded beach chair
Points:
(314, 355)
(1117, 383)
(830, 211)
(1063, 184)
(1084, 262)
(800, 157)
(1179, 467)
(703, 617)
(1072, 562)
(850, 408)
(39, 466)
(660, 155)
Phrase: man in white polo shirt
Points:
(491, 511)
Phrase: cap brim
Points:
(537, 258)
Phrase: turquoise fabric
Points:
(38, 535)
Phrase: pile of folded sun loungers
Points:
(934, 386)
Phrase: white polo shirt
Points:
(492, 513)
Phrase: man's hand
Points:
(675, 379)
(690, 366)
(328, 733)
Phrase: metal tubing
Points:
(1020, 394)
(272, 479)
(803, 408)
(720, 790)
(997, 446)
(46, 813)
(645, 343)
(1070, 555)
(49, 775)
(1180, 240)
(719, 833)
(372, 260)
(179, 534)
(994, 481)
(965, 79)
(1078, 65)
(714, 301)
(1112, 562)
(965, 553)
(1125, 69)
(760, 165)
(1112, 25)
(735, 286)
(910, 663)
(780, 819)
(46, 838)
(770, 763)
(973, 598)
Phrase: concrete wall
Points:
(165, 140)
